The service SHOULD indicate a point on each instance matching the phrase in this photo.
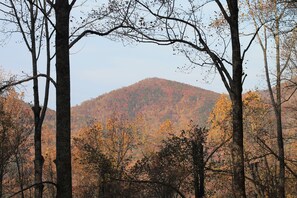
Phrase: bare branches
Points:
(251, 41)
(216, 149)
(223, 10)
(72, 4)
(46, 13)
(33, 185)
(275, 154)
(11, 84)
(166, 26)
(151, 182)
(92, 32)
(19, 23)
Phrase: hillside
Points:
(156, 100)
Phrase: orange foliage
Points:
(259, 142)
(220, 120)
(15, 131)
(156, 100)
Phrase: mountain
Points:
(156, 100)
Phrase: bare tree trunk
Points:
(63, 147)
(26, 21)
(237, 147)
(38, 126)
(276, 102)
(198, 165)
(52, 189)
(237, 150)
(38, 160)
(275, 98)
(21, 179)
(278, 115)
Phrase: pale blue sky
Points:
(99, 65)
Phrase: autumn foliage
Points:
(124, 157)
(15, 143)
(119, 158)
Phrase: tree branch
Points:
(251, 41)
(86, 32)
(273, 153)
(26, 80)
(152, 182)
(217, 148)
(72, 3)
(223, 11)
(45, 182)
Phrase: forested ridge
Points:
(140, 154)
(156, 100)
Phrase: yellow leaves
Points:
(220, 119)
(110, 124)
(154, 139)
(91, 135)
(221, 110)
(117, 139)
(98, 126)
(166, 127)
(254, 114)
(252, 100)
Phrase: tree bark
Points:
(237, 150)
(275, 97)
(198, 165)
(237, 146)
(276, 100)
(38, 160)
(63, 147)
(20, 174)
(278, 113)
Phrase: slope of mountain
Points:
(156, 100)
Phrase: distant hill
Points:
(157, 100)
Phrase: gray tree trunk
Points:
(278, 114)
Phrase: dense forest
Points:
(156, 138)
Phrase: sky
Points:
(99, 65)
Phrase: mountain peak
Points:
(157, 80)
(154, 98)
